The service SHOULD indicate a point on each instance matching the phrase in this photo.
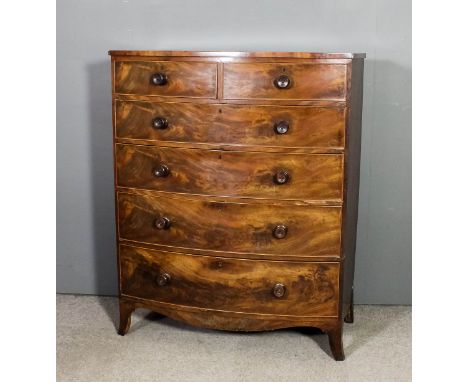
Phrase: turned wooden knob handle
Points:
(281, 177)
(163, 279)
(161, 171)
(162, 223)
(280, 231)
(160, 123)
(159, 79)
(279, 290)
(281, 127)
(282, 82)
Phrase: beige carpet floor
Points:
(377, 348)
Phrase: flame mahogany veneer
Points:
(236, 187)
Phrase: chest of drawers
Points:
(236, 187)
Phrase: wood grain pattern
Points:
(185, 53)
(252, 101)
(217, 263)
(231, 124)
(246, 174)
(308, 81)
(184, 79)
(231, 284)
(233, 321)
(232, 227)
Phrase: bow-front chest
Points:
(236, 187)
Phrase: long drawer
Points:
(285, 81)
(232, 227)
(240, 285)
(284, 126)
(243, 174)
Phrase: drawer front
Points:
(243, 174)
(166, 78)
(287, 126)
(268, 287)
(234, 227)
(301, 81)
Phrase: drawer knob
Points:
(160, 123)
(163, 279)
(279, 290)
(162, 223)
(281, 127)
(161, 171)
(281, 177)
(159, 79)
(280, 231)
(282, 82)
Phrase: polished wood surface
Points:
(233, 227)
(220, 100)
(352, 169)
(185, 53)
(308, 81)
(246, 174)
(308, 126)
(238, 285)
(236, 185)
(187, 79)
(225, 320)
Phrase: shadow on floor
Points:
(366, 326)
(363, 330)
(110, 305)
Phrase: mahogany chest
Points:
(236, 187)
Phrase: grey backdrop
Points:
(87, 29)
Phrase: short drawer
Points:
(231, 173)
(166, 78)
(278, 126)
(285, 81)
(300, 230)
(250, 286)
